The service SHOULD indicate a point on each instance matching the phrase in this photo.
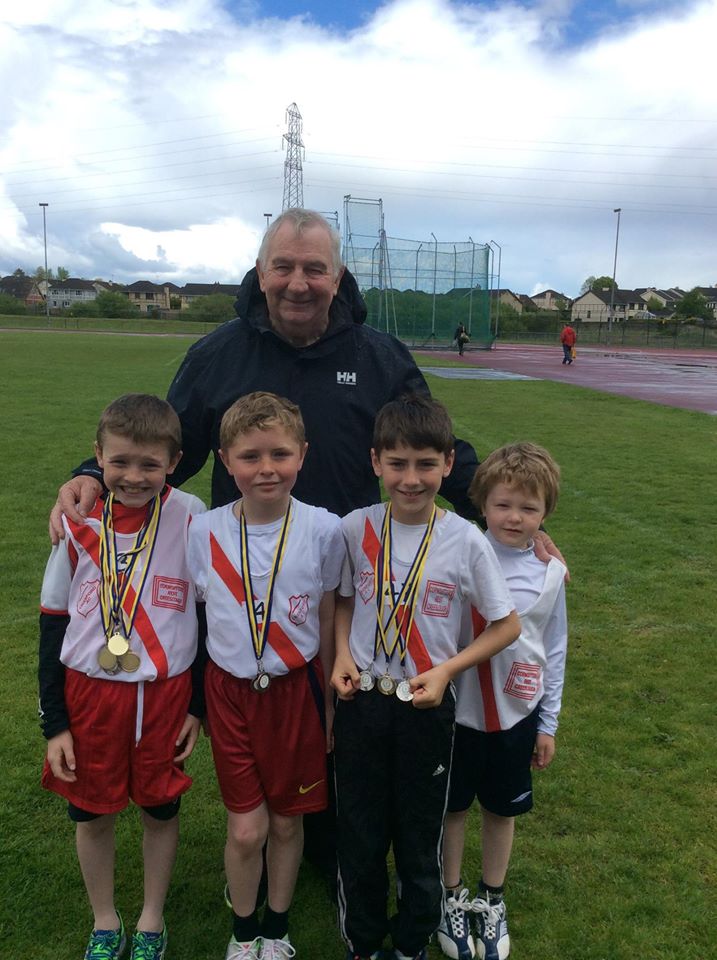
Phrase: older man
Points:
(300, 333)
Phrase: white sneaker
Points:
(277, 950)
(492, 940)
(245, 950)
(454, 932)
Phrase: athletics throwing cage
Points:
(418, 290)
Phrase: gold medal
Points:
(129, 662)
(386, 685)
(120, 579)
(117, 644)
(107, 660)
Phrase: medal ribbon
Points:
(406, 600)
(259, 636)
(115, 585)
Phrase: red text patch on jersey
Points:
(523, 680)
(89, 597)
(366, 585)
(169, 592)
(299, 609)
(437, 600)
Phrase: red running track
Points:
(675, 378)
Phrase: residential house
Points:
(593, 306)
(528, 303)
(509, 298)
(63, 294)
(668, 299)
(23, 288)
(151, 297)
(710, 295)
(192, 291)
(549, 300)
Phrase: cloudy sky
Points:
(153, 129)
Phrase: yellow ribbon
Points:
(409, 592)
(259, 636)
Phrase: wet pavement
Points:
(686, 379)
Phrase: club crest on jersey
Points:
(437, 599)
(523, 680)
(366, 585)
(170, 592)
(299, 609)
(89, 597)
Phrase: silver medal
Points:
(404, 692)
(366, 681)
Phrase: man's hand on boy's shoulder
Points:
(345, 677)
(428, 688)
(187, 738)
(545, 549)
(75, 499)
(61, 756)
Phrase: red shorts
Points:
(268, 746)
(111, 767)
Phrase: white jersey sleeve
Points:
(55, 593)
(555, 639)
(198, 558)
(483, 584)
(332, 550)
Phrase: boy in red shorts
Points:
(269, 706)
(118, 639)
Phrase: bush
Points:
(86, 308)
(12, 306)
(111, 305)
(214, 308)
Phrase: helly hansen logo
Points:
(346, 377)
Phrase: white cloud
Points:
(148, 124)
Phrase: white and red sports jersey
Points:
(529, 672)
(164, 635)
(310, 568)
(460, 568)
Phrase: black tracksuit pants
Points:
(392, 764)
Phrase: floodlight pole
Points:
(47, 282)
(611, 317)
(470, 297)
(268, 219)
(491, 244)
(435, 270)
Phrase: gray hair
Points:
(301, 220)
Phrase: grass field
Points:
(618, 860)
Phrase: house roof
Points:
(621, 296)
(203, 289)
(72, 283)
(555, 293)
(19, 287)
(144, 286)
(671, 295)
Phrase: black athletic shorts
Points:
(494, 767)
